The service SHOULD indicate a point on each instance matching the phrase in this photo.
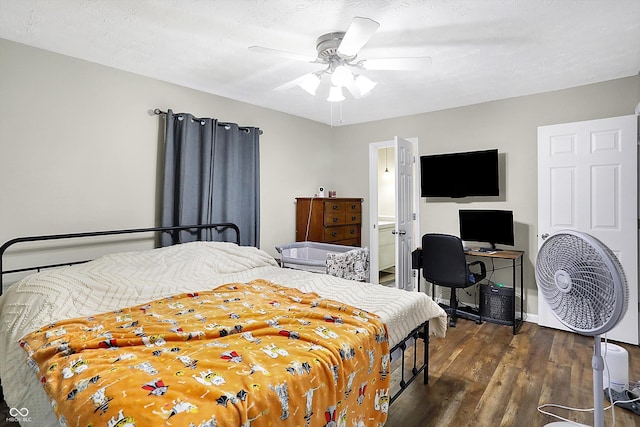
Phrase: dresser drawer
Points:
(349, 242)
(331, 234)
(353, 207)
(351, 231)
(334, 207)
(334, 218)
(353, 218)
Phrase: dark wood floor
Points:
(5, 416)
(482, 375)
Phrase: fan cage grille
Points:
(597, 296)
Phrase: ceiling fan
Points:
(338, 51)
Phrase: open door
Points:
(405, 209)
(404, 229)
(588, 181)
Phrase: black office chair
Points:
(444, 264)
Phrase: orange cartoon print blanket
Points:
(254, 354)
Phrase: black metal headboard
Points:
(174, 231)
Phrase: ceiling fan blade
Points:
(353, 89)
(308, 82)
(396, 64)
(292, 83)
(282, 54)
(359, 33)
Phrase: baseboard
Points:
(533, 318)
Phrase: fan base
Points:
(565, 424)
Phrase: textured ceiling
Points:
(481, 50)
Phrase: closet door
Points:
(588, 181)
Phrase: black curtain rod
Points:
(158, 111)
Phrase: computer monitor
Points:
(487, 226)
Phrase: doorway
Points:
(386, 216)
(393, 211)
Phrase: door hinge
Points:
(413, 216)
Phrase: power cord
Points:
(558, 417)
(612, 406)
(493, 271)
(306, 234)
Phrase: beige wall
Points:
(79, 151)
(510, 126)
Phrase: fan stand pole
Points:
(598, 395)
(597, 363)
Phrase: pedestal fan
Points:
(584, 285)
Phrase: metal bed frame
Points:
(173, 231)
(420, 332)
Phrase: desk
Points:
(516, 258)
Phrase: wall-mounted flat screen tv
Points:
(467, 174)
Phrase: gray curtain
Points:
(211, 174)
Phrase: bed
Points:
(281, 346)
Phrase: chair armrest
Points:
(416, 259)
(483, 269)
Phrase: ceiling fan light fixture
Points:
(338, 51)
(341, 76)
(310, 83)
(335, 94)
(364, 85)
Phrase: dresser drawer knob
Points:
(336, 207)
(353, 218)
(334, 234)
(336, 219)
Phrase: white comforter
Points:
(121, 280)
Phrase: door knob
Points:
(401, 232)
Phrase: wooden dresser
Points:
(330, 220)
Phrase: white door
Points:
(408, 201)
(404, 213)
(588, 181)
